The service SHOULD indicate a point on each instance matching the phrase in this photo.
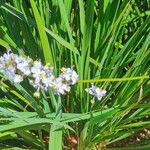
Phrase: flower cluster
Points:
(16, 68)
(96, 92)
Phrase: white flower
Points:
(96, 92)
(23, 64)
(60, 87)
(37, 67)
(8, 67)
(42, 76)
(18, 78)
(14, 67)
(69, 75)
(9, 75)
(48, 82)
(7, 62)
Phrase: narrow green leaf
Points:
(62, 41)
(43, 37)
(55, 138)
(4, 44)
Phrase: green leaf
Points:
(43, 37)
(55, 133)
(62, 41)
(4, 44)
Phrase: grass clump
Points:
(106, 43)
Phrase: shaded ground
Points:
(140, 141)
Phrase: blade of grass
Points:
(55, 133)
(43, 37)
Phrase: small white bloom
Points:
(23, 64)
(69, 75)
(96, 92)
(48, 82)
(18, 78)
(8, 66)
(14, 67)
(7, 61)
(9, 75)
(37, 67)
(42, 76)
(60, 87)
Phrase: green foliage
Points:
(107, 42)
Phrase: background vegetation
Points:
(101, 39)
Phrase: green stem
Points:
(113, 79)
